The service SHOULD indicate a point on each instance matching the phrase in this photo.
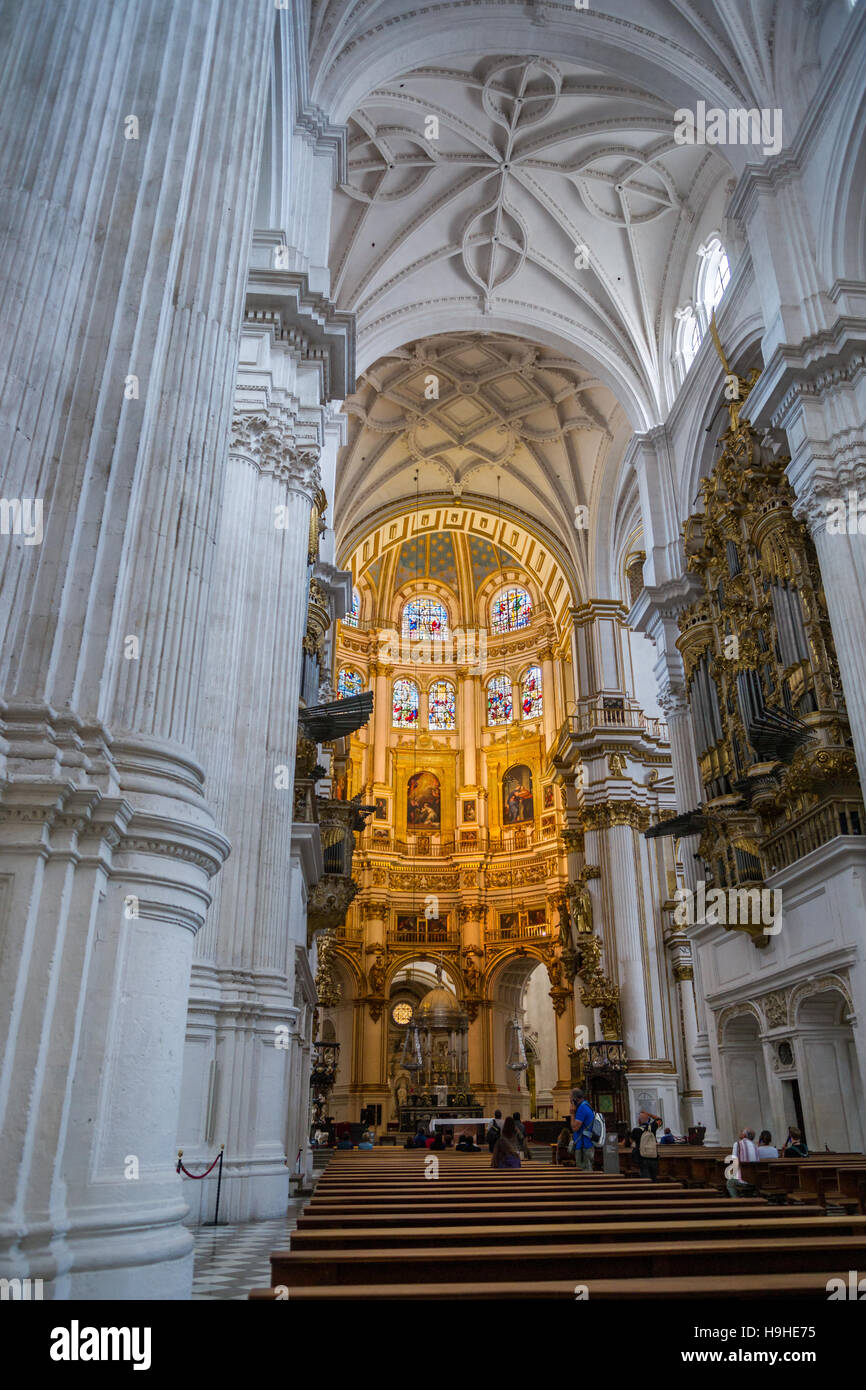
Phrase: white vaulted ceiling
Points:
(552, 197)
(512, 172)
(511, 421)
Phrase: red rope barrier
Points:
(180, 1169)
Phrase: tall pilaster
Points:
(242, 1003)
(149, 128)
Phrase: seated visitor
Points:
(794, 1145)
(766, 1147)
(420, 1140)
(437, 1142)
(346, 1142)
(744, 1151)
(667, 1138)
(366, 1140)
(563, 1145)
(506, 1152)
(466, 1144)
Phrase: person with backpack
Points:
(583, 1119)
(495, 1130)
(646, 1149)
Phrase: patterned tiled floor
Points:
(231, 1260)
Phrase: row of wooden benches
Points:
(385, 1227)
(836, 1180)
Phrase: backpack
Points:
(648, 1145)
(598, 1131)
(493, 1134)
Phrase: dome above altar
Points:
(440, 1008)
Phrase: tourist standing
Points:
(495, 1130)
(646, 1149)
(582, 1118)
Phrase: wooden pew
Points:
(580, 1262)
(455, 1237)
(720, 1209)
(749, 1287)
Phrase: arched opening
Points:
(827, 1063)
(520, 995)
(743, 1062)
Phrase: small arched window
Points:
(689, 336)
(510, 610)
(530, 693)
(425, 617)
(349, 683)
(351, 618)
(441, 706)
(714, 274)
(405, 704)
(499, 700)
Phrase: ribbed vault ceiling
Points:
(552, 196)
(511, 420)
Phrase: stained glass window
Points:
(511, 609)
(351, 618)
(530, 693)
(425, 617)
(349, 683)
(499, 707)
(405, 704)
(441, 709)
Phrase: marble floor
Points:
(231, 1260)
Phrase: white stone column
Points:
(244, 956)
(548, 706)
(127, 131)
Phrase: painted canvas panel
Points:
(423, 797)
(517, 799)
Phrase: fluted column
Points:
(242, 989)
(615, 848)
(129, 131)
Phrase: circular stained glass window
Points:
(402, 1013)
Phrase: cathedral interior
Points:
(434, 634)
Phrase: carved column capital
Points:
(267, 439)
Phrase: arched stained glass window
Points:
(441, 706)
(510, 610)
(425, 617)
(351, 618)
(530, 693)
(499, 703)
(349, 683)
(405, 704)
